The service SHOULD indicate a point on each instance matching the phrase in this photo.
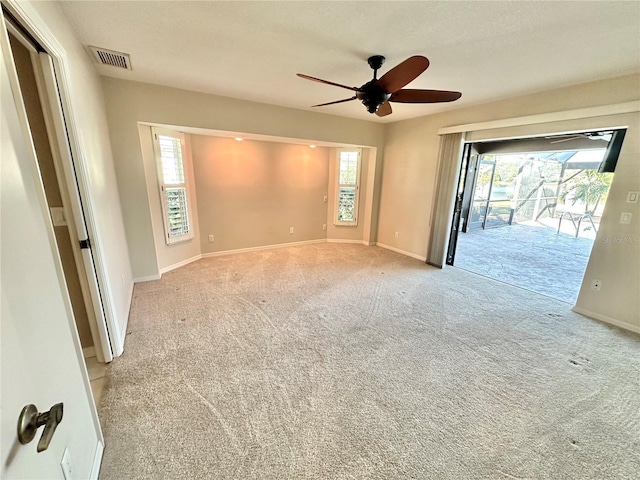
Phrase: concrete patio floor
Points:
(529, 255)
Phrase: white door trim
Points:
(24, 125)
(65, 161)
(31, 21)
(97, 460)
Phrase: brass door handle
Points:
(30, 420)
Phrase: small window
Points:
(348, 185)
(173, 186)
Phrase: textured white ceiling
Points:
(252, 50)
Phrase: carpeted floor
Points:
(334, 361)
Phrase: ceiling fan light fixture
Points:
(372, 96)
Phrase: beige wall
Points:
(130, 102)
(406, 184)
(615, 257)
(410, 165)
(411, 152)
(250, 193)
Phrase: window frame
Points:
(162, 186)
(338, 186)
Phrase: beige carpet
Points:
(349, 362)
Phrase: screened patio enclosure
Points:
(528, 210)
(526, 187)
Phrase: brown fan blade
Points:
(407, 95)
(402, 74)
(337, 101)
(314, 79)
(384, 109)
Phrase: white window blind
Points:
(347, 187)
(173, 188)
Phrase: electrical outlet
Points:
(596, 284)
(67, 471)
(324, 226)
(325, 199)
(632, 197)
(210, 238)
(625, 217)
(291, 230)
(396, 234)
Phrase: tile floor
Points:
(97, 375)
(530, 255)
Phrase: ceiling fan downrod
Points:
(371, 95)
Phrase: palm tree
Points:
(590, 187)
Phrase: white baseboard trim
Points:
(344, 240)
(89, 352)
(180, 264)
(119, 350)
(605, 319)
(403, 252)
(117, 331)
(265, 247)
(97, 461)
(149, 278)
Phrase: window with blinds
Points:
(347, 187)
(173, 187)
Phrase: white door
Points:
(40, 353)
(51, 97)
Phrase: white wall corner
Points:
(123, 334)
(118, 346)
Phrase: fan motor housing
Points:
(372, 96)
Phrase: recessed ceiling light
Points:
(239, 139)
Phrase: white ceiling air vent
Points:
(111, 58)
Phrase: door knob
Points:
(30, 420)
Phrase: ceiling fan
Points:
(377, 93)
(606, 136)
